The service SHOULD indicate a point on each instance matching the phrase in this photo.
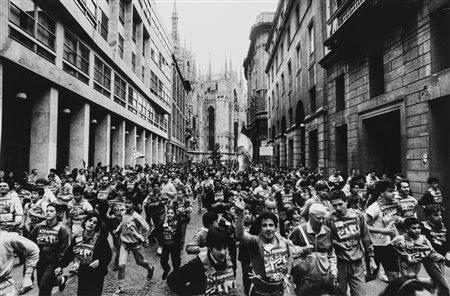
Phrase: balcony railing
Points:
(354, 19)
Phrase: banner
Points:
(244, 149)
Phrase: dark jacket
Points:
(101, 252)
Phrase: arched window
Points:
(211, 128)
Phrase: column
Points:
(113, 24)
(139, 42)
(130, 145)
(148, 148)
(103, 140)
(44, 130)
(282, 151)
(1, 105)
(155, 150)
(128, 33)
(118, 144)
(160, 151)
(140, 146)
(297, 147)
(79, 136)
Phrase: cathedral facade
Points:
(219, 110)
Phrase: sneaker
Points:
(62, 286)
(119, 291)
(150, 273)
(159, 251)
(24, 290)
(165, 274)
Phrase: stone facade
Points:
(254, 66)
(85, 83)
(296, 98)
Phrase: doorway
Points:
(381, 144)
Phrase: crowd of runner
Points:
(290, 231)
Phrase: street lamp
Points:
(94, 121)
(21, 95)
(66, 111)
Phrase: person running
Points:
(322, 196)
(77, 210)
(412, 248)
(114, 215)
(436, 233)
(11, 211)
(210, 220)
(210, 273)
(381, 217)
(433, 193)
(351, 241)
(169, 234)
(53, 239)
(93, 252)
(11, 243)
(314, 242)
(133, 231)
(269, 253)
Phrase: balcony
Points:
(356, 22)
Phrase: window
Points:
(89, 9)
(134, 32)
(103, 25)
(311, 39)
(132, 100)
(288, 36)
(120, 88)
(312, 100)
(76, 58)
(142, 107)
(143, 74)
(133, 62)
(153, 83)
(297, 16)
(144, 46)
(281, 52)
(440, 40)
(121, 12)
(102, 77)
(376, 73)
(120, 46)
(299, 58)
(32, 27)
(340, 92)
(283, 87)
(271, 70)
(289, 75)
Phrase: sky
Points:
(215, 27)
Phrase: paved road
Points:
(137, 284)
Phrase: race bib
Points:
(103, 194)
(275, 263)
(84, 250)
(287, 200)
(47, 237)
(348, 231)
(221, 283)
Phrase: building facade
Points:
(254, 71)
(83, 82)
(218, 114)
(296, 98)
(387, 88)
(179, 116)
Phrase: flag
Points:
(137, 154)
(244, 149)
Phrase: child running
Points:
(133, 231)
